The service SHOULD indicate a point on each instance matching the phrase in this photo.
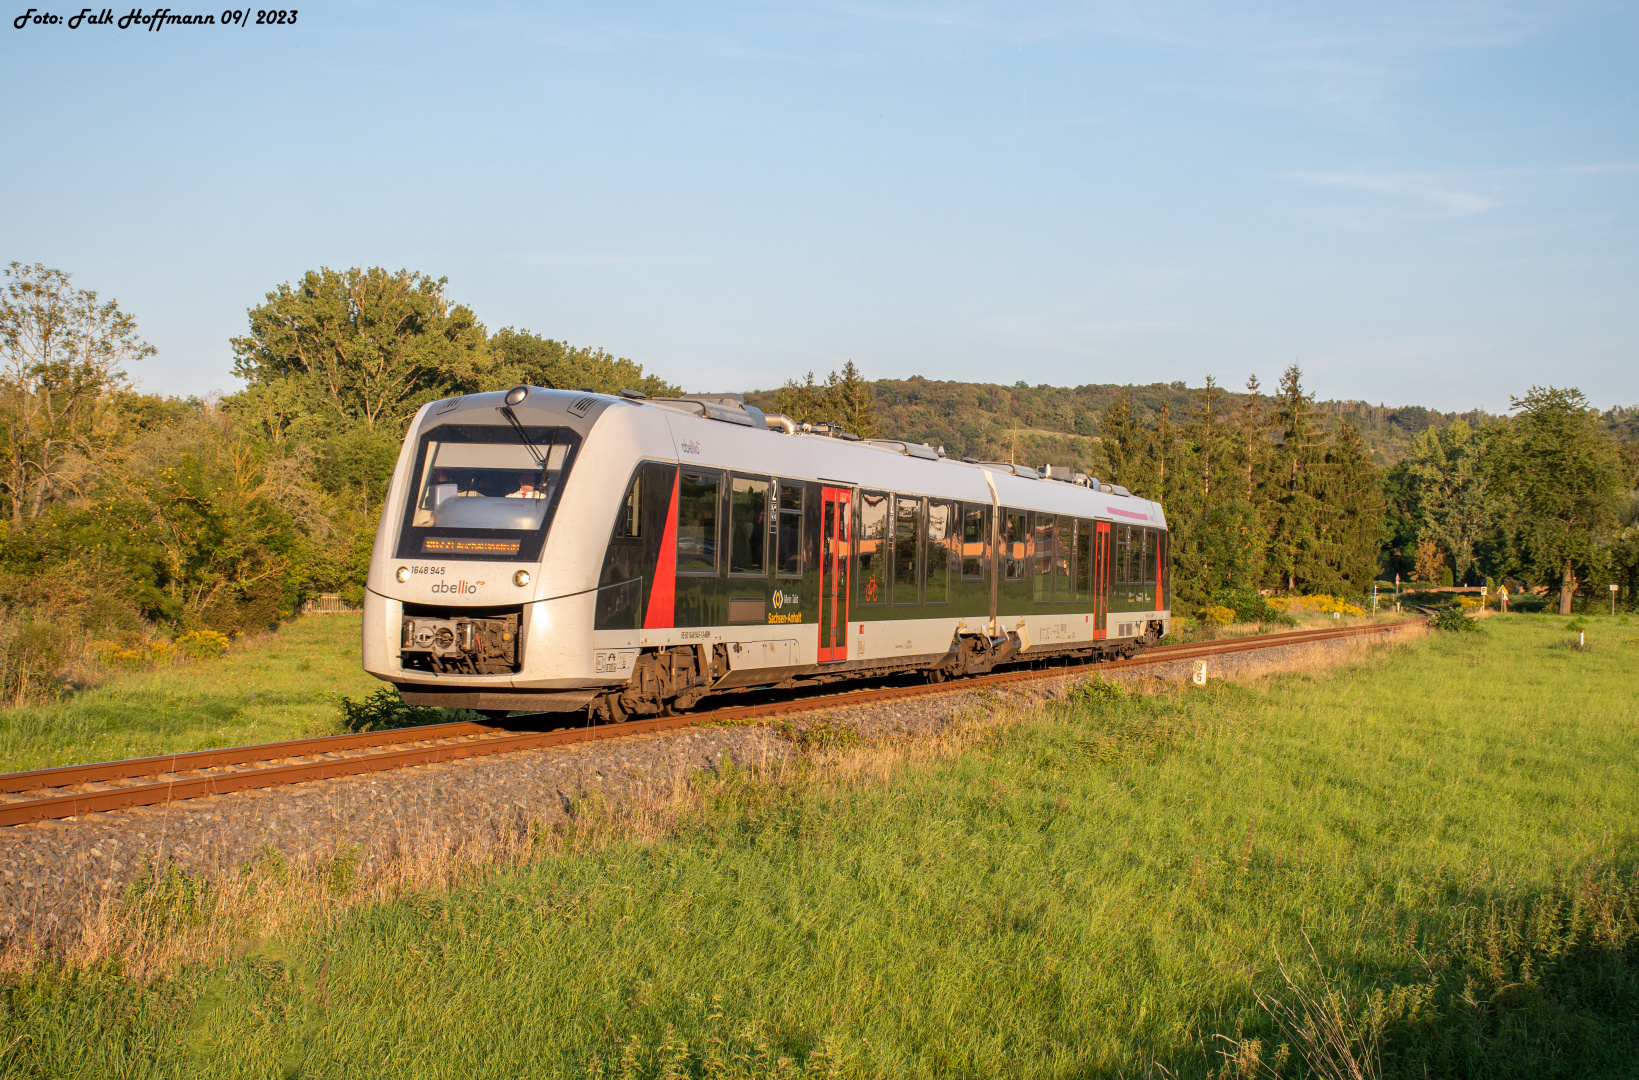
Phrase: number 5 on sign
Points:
(1199, 677)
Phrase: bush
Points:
(384, 709)
(1454, 620)
(1216, 616)
(203, 644)
(1097, 694)
(1251, 606)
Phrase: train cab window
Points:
(975, 541)
(871, 542)
(907, 535)
(697, 521)
(941, 522)
(1084, 562)
(1066, 535)
(1044, 535)
(481, 491)
(789, 540)
(748, 526)
(1015, 549)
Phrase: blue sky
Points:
(1431, 203)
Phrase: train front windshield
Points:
(482, 492)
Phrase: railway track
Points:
(70, 791)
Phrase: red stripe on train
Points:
(662, 612)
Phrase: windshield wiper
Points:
(534, 451)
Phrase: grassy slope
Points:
(279, 686)
(1092, 890)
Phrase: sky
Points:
(1418, 203)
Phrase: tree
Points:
(62, 357)
(1210, 436)
(1293, 511)
(1429, 561)
(365, 346)
(1230, 549)
(1565, 477)
(523, 357)
(845, 399)
(1448, 464)
(1123, 442)
(1353, 511)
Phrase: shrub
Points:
(1097, 694)
(1454, 620)
(1216, 616)
(385, 709)
(1250, 606)
(203, 644)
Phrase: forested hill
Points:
(1061, 425)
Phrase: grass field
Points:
(1438, 840)
(282, 685)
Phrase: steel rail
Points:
(77, 803)
(64, 775)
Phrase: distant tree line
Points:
(1277, 492)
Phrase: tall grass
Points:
(1420, 865)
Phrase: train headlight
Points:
(516, 394)
(521, 578)
(403, 573)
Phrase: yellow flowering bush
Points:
(1216, 616)
(1320, 604)
(203, 644)
(142, 654)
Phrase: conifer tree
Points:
(1457, 506)
(1123, 442)
(1296, 477)
(1355, 511)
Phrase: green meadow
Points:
(1417, 864)
(280, 685)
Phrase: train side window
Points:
(630, 525)
(975, 541)
(1015, 551)
(1145, 556)
(871, 542)
(789, 541)
(748, 526)
(907, 536)
(1065, 533)
(1043, 535)
(1123, 537)
(941, 519)
(697, 521)
(1084, 561)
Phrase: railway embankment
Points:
(62, 881)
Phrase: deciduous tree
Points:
(62, 357)
(365, 346)
(1565, 477)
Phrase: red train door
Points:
(1101, 579)
(836, 505)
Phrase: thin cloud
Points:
(571, 259)
(1437, 196)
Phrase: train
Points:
(555, 551)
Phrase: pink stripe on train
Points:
(1127, 514)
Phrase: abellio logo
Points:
(460, 588)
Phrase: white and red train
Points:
(550, 550)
